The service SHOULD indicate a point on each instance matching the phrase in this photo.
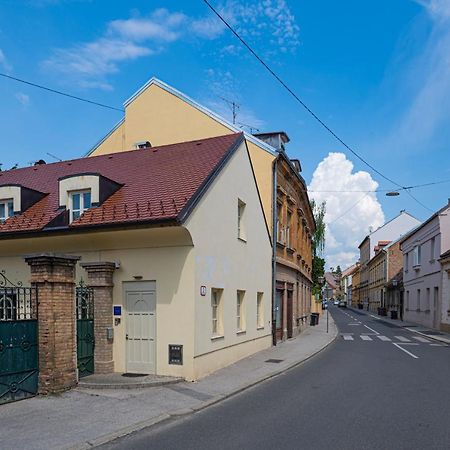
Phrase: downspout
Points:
(274, 248)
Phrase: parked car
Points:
(324, 304)
(336, 302)
(342, 304)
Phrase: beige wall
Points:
(161, 254)
(158, 116)
(223, 261)
(12, 193)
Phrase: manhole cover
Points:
(275, 361)
(134, 375)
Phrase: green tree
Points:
(318, 242)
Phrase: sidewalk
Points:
(440, 336)
(84, 418)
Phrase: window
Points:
(432, 245)
(418, 299)
(436, 299)
(80, 201)
(407, 300)
(241, 218)
(8, 307)
(259, 310)
(240, 319)
(216, 312)
(406, 261)
(417, 255)
(6, 209)
(427, 305)
(288, 229)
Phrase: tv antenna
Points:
(233, 106)
(54, 157)
(251, 128)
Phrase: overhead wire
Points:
(304, 105)
(65, 94)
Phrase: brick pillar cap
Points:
(52, 256)
(98, 265)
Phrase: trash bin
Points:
(394, 314)
(314, 319)
(360, 306)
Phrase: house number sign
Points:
(202, 291)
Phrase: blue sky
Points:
(377, 72)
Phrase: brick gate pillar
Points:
(54, 277)
(100, 279)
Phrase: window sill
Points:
(427, 311)
(241, 332)
(260, 328)
(280, 244)
(416, 267)
(290, 250)
(217, 338)
(242, 240)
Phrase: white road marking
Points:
(375, 317)
(371, 329)
(348, 338)
(354, 324)
(365, 337)
(438, 345)
(406, 351)
(402, 338)
(421, 339)
(383, 338)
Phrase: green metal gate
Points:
(19, 366)
(85, 330)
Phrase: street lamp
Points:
(392, 194)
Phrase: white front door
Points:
(140, 303)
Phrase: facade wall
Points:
(394, 260)
(421, 280)
(364, 257)
(392, 230)
(445, 296)
(164, 255)
(356, 287)
(160, 117)
(377, 280)
(224, 262)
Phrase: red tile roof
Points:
(157, 183)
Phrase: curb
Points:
(187, 411)
(87, 385)
(434, 338)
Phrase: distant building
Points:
(390, 231)
(425, 264)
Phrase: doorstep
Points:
(125, 381)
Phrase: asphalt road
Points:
(376, 387)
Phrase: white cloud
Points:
(22, 98)
(349, 215)
(4, 62)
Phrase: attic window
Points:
(6, 209)
(80, 201)
(142, 144)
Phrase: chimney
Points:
(276, 139)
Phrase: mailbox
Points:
(176, 354)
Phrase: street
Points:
(377, 386)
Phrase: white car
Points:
(336, 302)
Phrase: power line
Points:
(302, 103)
(406, 188)
(349, 209)
(65, 94)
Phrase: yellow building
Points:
(158, 114)
(172, 239)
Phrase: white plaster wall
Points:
(444, 221)
(223, 261)
(392, 230)
(445, 297)
(11, 192)
(78, 183)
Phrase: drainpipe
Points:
(274, 248)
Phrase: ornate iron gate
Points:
(85, 330)
(19, 367)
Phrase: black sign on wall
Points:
(176, 354)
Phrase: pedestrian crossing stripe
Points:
(421, 339)
(383, 338)
(402, 338)
(366, 338)
(347, 338)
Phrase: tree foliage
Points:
(319, 234)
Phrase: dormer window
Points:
(80, 201)
(6, 209)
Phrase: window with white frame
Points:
(432, 246)
(216, 312)
(260, 310)
(240, 319)
(80, 201)
(241, 220)
(6, 209)
(417, 253)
